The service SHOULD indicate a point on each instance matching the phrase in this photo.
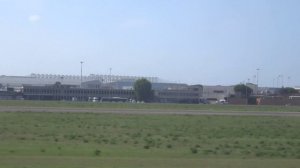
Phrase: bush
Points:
(97, 152)
(194, 150)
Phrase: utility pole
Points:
(81, 62)
(246, 94)
(248, 80)
(110, 82)
(282, 80)
(257, 78)
(278, 77)
(110, 75)
(62, 79)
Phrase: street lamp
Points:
(288, 82)
(254, 79)
(109, 75)
(278, 77)
(62, 79)
(282, 80)
(110, 87)
(81, 62)
(247, 90)
(257, 78)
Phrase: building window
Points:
(218, 91)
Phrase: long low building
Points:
(69, 92)
(191, 94)
(68, 87)
(219, 92)
(48, 79)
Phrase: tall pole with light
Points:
(109, 75)
(282, 81)
(110, 87)
(247, 90)
(257, 78)
(278, 77)
(81, 62)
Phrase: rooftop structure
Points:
(46, 79)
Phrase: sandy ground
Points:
(146, 111)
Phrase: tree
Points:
(143, 90)
(288, 91)
(243, 90)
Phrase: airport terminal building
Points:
(96, 88)
(191, 94)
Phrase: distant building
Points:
(40, 86)
(253, 87)
(69, 92)
(218, 92)
(48, 79)
(121, 90)
(70, 87)
(189, 94)
(297, 88)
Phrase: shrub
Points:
(97, 152)
(194, 150)
(227, 152)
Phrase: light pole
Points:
(109, 75)
(110, 82)
(81, 62)
(253, 79)
(62, 79)
(278, 77)
(247, 91)
(257, 78)
(282, 80)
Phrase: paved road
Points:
(146, 111)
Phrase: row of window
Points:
(75, 91)
(178, 94)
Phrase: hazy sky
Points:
(191, 41)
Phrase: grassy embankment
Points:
(86, 140)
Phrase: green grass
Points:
(90, 162)
(92, 140)
(154, 106)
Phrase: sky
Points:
(210, 42)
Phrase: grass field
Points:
(203, 107)
(93, 162)
(87, 140)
